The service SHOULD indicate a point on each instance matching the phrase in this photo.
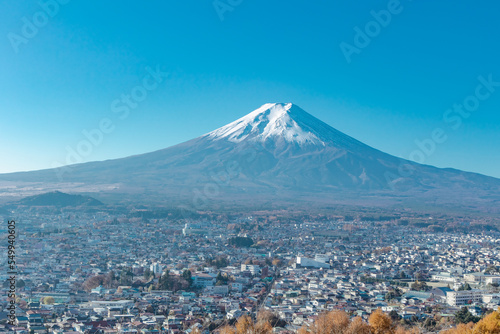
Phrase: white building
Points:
(456, 298)
(252, 268)
(190, 229)
(156, 268)
(492, 279)
(322, 258)
(203, 280)
(444, 277)
(493, 298)
(310, 263)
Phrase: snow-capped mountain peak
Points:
(277, 121)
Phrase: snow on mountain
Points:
(272, 121)
(282, 124)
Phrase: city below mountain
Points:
(278, 155)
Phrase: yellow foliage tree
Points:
(461, 329)
(244, 325)
(401, 330)
(227, 330)
(381, 323)
(334, 322)
(263, 327)
(358, 326)
(490, 324)
(48, 300)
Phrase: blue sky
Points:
(63, 76)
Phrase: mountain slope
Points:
(277, 153)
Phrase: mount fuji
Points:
(277, 154)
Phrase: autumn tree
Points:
(266, 316)
(48, 300)
(461, 329)
(93, 282)
(334, 322)
(358, 326)
(401, 330)
(227, 330)
(245, 325)
(263, 328)
(490, 324)
(381, 323)
(277, 262)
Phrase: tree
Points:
(93, 282)
(358, 326)
(221, 279)
(219, 262)
(491, 270)
(489, 324)
(394, 315)
(48, 300)
(420, 286)
(148, 274)
(277, 262)
(173, 282)
(461, 329)
(164, 281)
(126, 276)
(393, 294)
(381, 323)
(464, 316)
(265, 315)
(20, 283)
(331, 322)
(240, 241)
(110, 280)
(464, 287)
(227, 330)
(401, 330)
(244, 325)
(430, 324)
(186, 274)
(263, 327)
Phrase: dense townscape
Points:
(115, 273)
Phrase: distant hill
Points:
(59, 199)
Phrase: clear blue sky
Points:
(63, 78)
